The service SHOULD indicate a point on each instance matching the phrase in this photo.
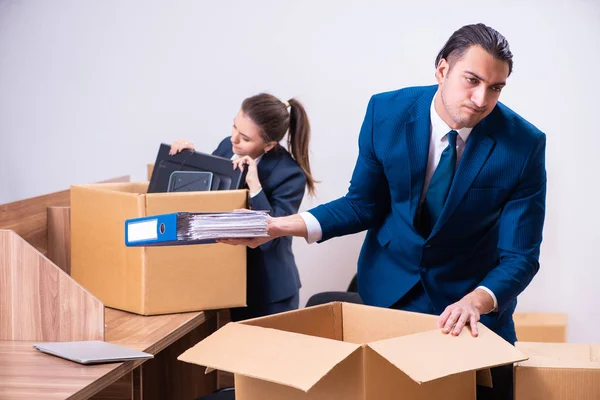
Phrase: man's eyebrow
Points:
(503, 83)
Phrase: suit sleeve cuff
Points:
(252, 195)
(493, 297)
(313, 227)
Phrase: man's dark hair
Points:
(471, 35)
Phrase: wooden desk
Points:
(26, 373)
(150, 333)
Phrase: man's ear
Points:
(442, 70)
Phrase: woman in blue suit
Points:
(276, 181)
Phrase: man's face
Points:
(469, 88)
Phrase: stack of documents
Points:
(193, 228)
(239, 224)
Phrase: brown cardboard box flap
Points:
(431, 355)
(215, 201)
(290, 359)
(484, 378)
(560, 355)
(135, 188)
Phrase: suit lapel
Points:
(479, 146)
(418, 134)
(417, 143)
(267, 163)
(224, 151)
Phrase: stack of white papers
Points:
(223, 225)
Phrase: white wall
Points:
(88, 89)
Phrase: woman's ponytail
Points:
(298, 140)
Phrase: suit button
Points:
(427, 246)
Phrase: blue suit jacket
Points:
(490, 229)
(272, 273)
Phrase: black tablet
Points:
(190, 181)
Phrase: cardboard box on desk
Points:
(351, 352)
(541, 327)
(558, 371)
(152, 280)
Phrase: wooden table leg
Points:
(165, 377)
(120, 390)
(224, 379)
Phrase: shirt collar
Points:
(439, 128)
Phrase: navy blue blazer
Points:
(272, 272)
(490, 230)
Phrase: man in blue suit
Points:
(451, 186)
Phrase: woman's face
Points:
(246, 139)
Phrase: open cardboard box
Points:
(152, 280)
(558, 371)
(349, 351)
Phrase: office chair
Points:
(351, 296)
(222, 394)
(328, 297)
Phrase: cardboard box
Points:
(541, 327)
(152, 280)
(558, 371)
(351, 352)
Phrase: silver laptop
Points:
(91, 352)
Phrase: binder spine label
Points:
(142, 231)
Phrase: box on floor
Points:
(558, 371)
(541, 327)
(349, 351)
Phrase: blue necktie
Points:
(439, 186)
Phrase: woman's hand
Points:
(180, 145)
(252, 174)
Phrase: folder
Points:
(184, 228)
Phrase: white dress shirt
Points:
(437, 143)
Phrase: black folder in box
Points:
(224, 176)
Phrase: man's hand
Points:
(466, 310)
(292, 225)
